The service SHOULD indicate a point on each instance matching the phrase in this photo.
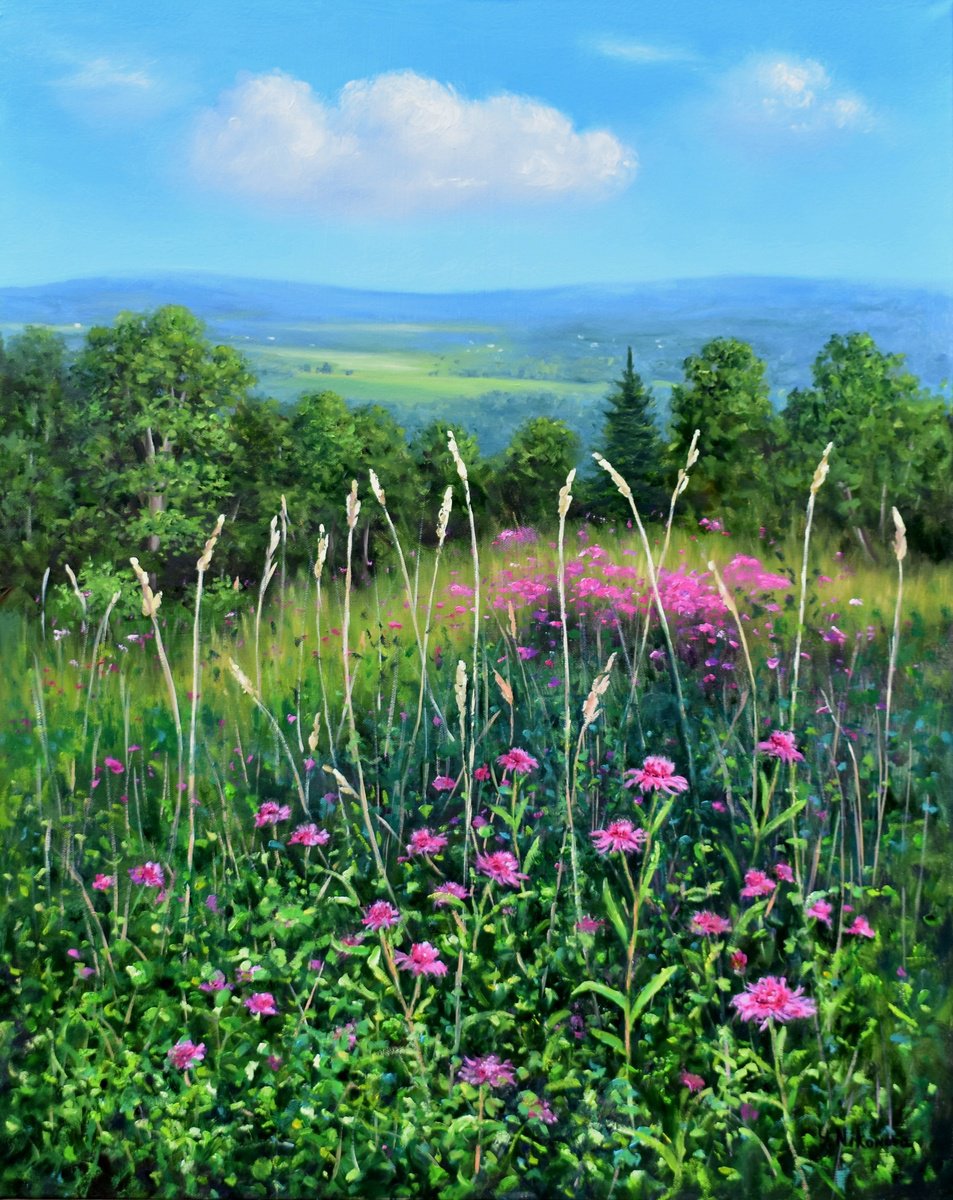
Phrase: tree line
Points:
(133, 444)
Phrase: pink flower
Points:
(526, 652)
(486, 1070)
(757, 884)
(783, 872)
(309, 835)
(772, 999)
(422, 960)
(422, 841)
(211, 902)
(538, 1108)
(440, 894)
(444, 783)
(710, 924)
(102, 883)
(821, 911)
(270, 813)
(739, 960)
(482, 774)
(694, 1083)
(114, 765)
(184, 1054)
(781, 745)
(74, 953)
(619, 835)
(656, 774)
(861, 927)
(149, 875)
(517, 761)
(380, 915)
(262, 1004)
(589, 925)
(501, 867)
(246, 974)
(217, 983)
(748, 1112)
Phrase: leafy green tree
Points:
(258, 476)
(533, 468)
(631, 442)
(724, 396)
(153, 433)
(434, 469)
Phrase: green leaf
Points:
(607, 993)
(615, 916)
(788, 815)
(609, 1039)
(651, 988)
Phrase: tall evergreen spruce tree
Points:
(632, 443)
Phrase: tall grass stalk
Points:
(565, 500)
(900, 550)
(475, 553)
(268, 574)
(443, 520)
(820, 475)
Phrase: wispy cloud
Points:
(105, 74)
(399, 144)
(641, 54)
(108, 90)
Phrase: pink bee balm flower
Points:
(526, 652)
(501, 867)
(821, 911)
(757, 884)
(149, 875)
(102, 883)
(783, 872)
(218, 983)
(270, 813)
(184, 1054)
(710, 924)
(380, 915)
(589, 925)
(262, 1004)
(114, 765)
(739, 960)
(444, 783)
(781, 745)
(694, 1083)
(772, 999)
(482, 774)
(656, 774)
(619, 835)
(440, 895)
(486, 1070)
(861, 927)
(422, 960)
(422, 841)
(309, 835)
(517, 761)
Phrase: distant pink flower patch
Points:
(184, 1054)
(517, 761)
(710, 924)
(262, 1004)
(114, 765)
(102, 883)
(771, 999)
(441, 895)
(656, 774)
(783, 872)
(821, 911)
(694, 1083)
(781, 745)
(619, 835)
(422, 841)
(149, 875)
(309, 835)
(270, 813)
(444, 783)
(380, 915)
(861, 928)
(500, 866)
(423, 959)
(589, 925)
(487, 1070)
(757, 884)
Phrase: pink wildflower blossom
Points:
(422, 841)
(309, 835)
(262, 1004)
(149, 875)
(781, 745)
(772, 999)
(589, 925)
(861, 927)
(710, 924)
(440, 895)
(538, 1108)
(619, 835)
(821, 911)
(783, 872)
(102, 883)
(444, 783)
(482, 774)
(656, 774)
(739, 960)
(422, 960)
(501, 867)
(217, 983)
(184, 1054)
(526, 652)
(114, 765)
(380, 915)
(517, 761)
(487, 1070)
(270, 813)
(757, 884)
(694, 1083)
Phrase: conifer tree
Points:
(631, 442)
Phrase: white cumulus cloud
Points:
(398, 143)
(787, 96)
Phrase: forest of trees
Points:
(134, 443)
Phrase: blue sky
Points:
(442, 145)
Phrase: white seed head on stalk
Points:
(353, 505)
(322, 552)
(505, 690)
(284, 509)
(682, 482)
(511, 615)
(206, 559)
(275, 539)
(313, 735)
(565, 494)
(443, 516)
(150, 600)
(378, 490)
(900, 536)
(243, 681)
(590, 709)
(614, 475)
(79, 595)
(455, 452)
(460, 688)
(342, 783)
(822, 468)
